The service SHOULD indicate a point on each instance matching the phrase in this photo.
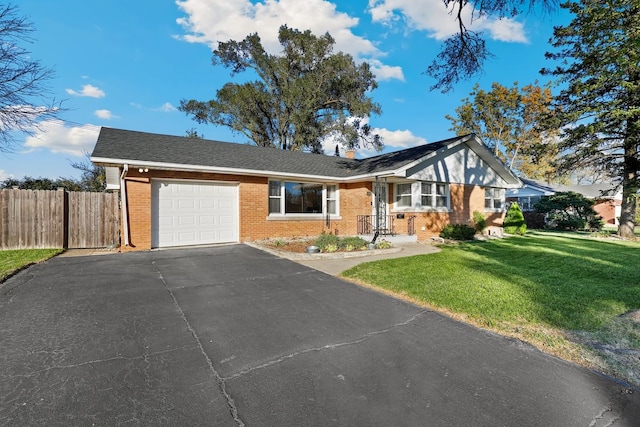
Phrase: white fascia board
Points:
(527, 191)
(134, 164)
(542, 191)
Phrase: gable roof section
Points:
(140, 149)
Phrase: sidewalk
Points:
(336, 263)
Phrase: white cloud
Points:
(89, 91)
(166, 107)
(104, 114)
(435, 19)
(4, 175)
(53, 135)
(213, 21)
(399, 138)
(392, 139)
(385, 72)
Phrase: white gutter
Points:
(125, 216)
(234, 171)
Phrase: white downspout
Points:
(125, 216)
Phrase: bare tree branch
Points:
(24, 96)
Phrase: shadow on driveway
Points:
(232, 335)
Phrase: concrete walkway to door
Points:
(232, 336)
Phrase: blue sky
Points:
(127, 64)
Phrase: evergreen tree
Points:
(599, 108)
(514, 221)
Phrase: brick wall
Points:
(255, 224)
(465, 199)
(139, 213)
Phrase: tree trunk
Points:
(629, 186)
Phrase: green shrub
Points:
(330, 248)
(279, 243)
(569, 211)
(458, 232)
(383, 244)
(514, 221)
(355, 242)
(479, 221)
(332, 243)
(325, 240)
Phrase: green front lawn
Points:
(543, 288)
(13, 260)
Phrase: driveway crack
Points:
(358, 340)
(221, 381)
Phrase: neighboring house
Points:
(608, 199)
(180, 191)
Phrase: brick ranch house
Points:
(179, 191)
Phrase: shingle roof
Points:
(592, 191)
(125, 146)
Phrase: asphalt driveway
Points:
(231, 335)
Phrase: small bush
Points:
(355, 242)
(458, 232)
(325, 240)
(514, 221)
(383, 244)
(279, 243)
(479, 221)
(333, 243)
(330, 248)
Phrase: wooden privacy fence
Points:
(58, 219)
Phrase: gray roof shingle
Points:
(125, 146)
(592, 191)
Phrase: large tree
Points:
(510, 121)
(599, 67)
(463, 54)
(23, 91)
(302, 96)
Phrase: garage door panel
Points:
(206, 220)
(186, 220)
(206, 204)
(187, 213)
(226, 220)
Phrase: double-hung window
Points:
(434, 195)
(403, 195)
(302, 198)
(422, 196)
(494, 198)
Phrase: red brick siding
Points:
(465, 199)
(253, 208)
(255, 224)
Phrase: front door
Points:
(380, 209)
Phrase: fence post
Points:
(65, 217)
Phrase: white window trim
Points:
(416, 198)
(303, 216)
(502, 199)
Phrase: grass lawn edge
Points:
(4, 276)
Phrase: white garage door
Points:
(193, 213)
